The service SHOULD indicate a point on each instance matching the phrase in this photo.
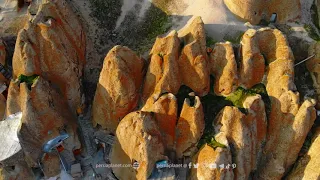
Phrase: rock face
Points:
(141, 141)
(44, 116)
(224, 68)
(308, 167)
(190, 127)
(51, 165)
(46, 86)
(165, 110)
(252, 62)
(206, 156)
(117, 91)
(20, 172)
(314, 68)
(288, 122)
(263, 134)
(193, 65)
(246, 134)
(163, 72)
(52, 45)
(256, 10)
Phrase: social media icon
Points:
(213, 166)
(221, 166)
(135, 165)
(228, 166)
(190, 165)
(234, 165)
(195, 165)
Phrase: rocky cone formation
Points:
(44, 117)
(165, 110)
(285, 138)
(140, 140)
(252, 67)
(308, 167)
(118, 87)
(46, 86)
(256, 10)
(262, 133)
(246, 134)
(52, 45)
(163, 71)
(223, 67)
(193, 64)
(190, 127)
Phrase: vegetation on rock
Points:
(29, 80)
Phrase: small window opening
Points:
(273, 18)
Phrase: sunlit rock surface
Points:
(246, 134)
(193, 61)
(224, 68)
(163, 72)
(165, 110)
(206, 158)
(44, 116)
(256, 10)
(118, 88)
(308, 167)
(190, 127)
(52, 45)
(140, 140)
(289, 120)
(252, 68)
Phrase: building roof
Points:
(10, 145)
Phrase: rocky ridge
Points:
(46, 87)
(139, 101)
(252, 129)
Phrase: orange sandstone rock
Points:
(252, 66)
(44, 116)
(208, 156)
(224, 68)
(308, 167)
(193, 65)
(163, 72)
(288, 122)
(52, 45)
(141, 141)
(245, 133)
(165, 110)
(190, 127)
(256, 10)
(118, 87)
